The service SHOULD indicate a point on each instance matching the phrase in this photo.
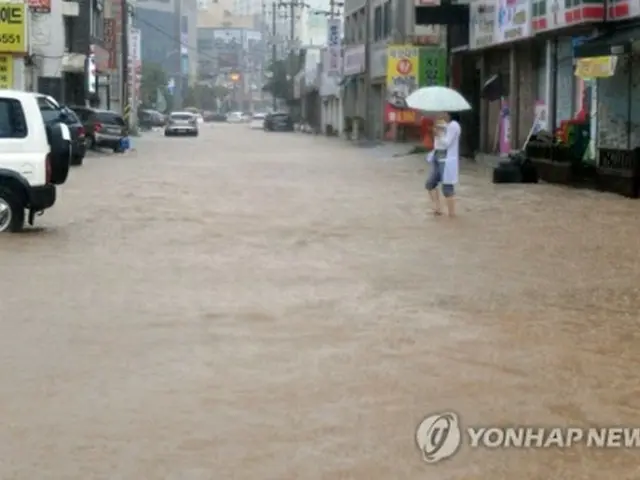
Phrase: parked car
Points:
(34, 159)
(278, 122)
(148, 118)
(182, 123)
(235, 117)
(257, 121)
(51, 113)
(215, 117)
(104, 128)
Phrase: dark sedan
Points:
(52, 112)
(278, 122)
(104, 128)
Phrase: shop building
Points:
(552, 62)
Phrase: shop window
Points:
(386, 20)
(377, 24)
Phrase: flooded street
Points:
(263, 306)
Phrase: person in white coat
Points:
(445, 160)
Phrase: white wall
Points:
(47, 40)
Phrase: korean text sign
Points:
(6, 71)
(13, 28)
(402, 69)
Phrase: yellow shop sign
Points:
(596, 67)
(13, 28)
(6, 71)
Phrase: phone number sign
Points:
(13, 28)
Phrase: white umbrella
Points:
(437, 99)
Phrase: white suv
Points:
(34, 158)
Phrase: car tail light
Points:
(97, 127)
(81, 132)
(47, 162)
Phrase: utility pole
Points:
(368, 131)
(177, 93)
(274, 53)
(292, 33)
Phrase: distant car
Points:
(50, 111)
(235, 117)
(182, 123)
(257, 121)
(104, 128)
(278, 122)
(197, 113)
(148, 118)
(215, 117)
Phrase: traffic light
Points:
(235, 77)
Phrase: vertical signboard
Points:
(334, 47)
(402, 80)
(110, 42)
(135, 65)
(513, 21)
(482, 24)
(432, 67)
(6, 71)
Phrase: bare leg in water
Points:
(435, 198)
(451, 205)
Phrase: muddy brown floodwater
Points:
(261, 306)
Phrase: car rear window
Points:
(181, 116)
(110, 118)
(12, 121)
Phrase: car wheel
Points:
(11, 210)
(77, 160)
(195, 134)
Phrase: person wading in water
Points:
(445, 160)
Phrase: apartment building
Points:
(161, 23)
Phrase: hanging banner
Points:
(540, 113)
(482, 24)
(13, 28)
(596, 67)
(505, 128)
(513, 20)
(6, 71)
(333, 53)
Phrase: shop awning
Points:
(616, 42)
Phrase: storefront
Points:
(353, 67)
(378, 72)
(611, 61)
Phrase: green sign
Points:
(432, 67)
